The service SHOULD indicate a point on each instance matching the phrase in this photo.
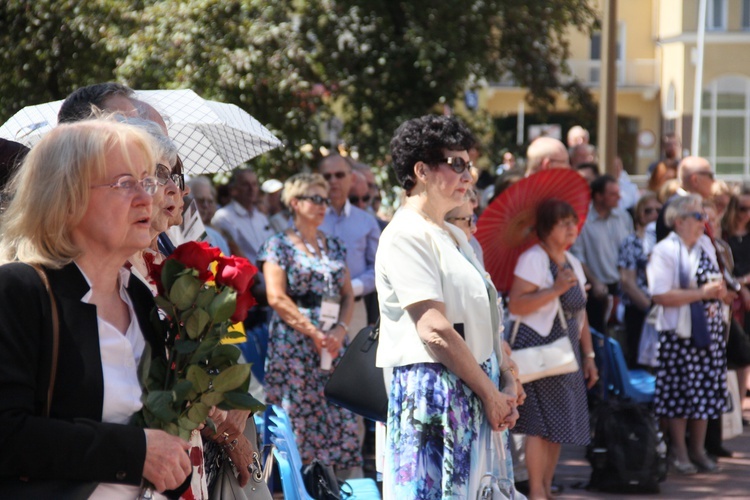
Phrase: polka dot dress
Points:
(692, 382)
(556, 408)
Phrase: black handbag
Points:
(356, 383)
(320, 481)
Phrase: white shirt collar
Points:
(347, 209)
(125, 274)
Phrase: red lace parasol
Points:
(506, 228)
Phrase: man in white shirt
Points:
(241, 220)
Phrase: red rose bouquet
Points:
(195, 311)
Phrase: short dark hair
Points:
(423, 139)
(591, 166)
(549, 213)
(77, 106)
(236, 174)
(599, 185)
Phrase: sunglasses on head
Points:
(457, 164)
(354, 200)
(339, 175)
(316, 199)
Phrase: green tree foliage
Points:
(50, 47)
(294, 63)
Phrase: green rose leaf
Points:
(184, 433)
(186, 346)
(144, 368)
(197, 322)
(231, 378)
(172, 429)
(205, 349)
(198, 413)
(199, 378)
(212, 398)
(184, 291)
(205, 297)
(170, 272)
(228, 352)
(181, 389)
(243, 401)
(186, 423)
(233, 335)
(163, 303)
(223, 305)
(160, 404)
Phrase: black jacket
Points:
(73, 443)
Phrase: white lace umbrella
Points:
(211, 136)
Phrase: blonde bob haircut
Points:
(51, 187)
(298, 184)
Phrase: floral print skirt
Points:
(438, 440)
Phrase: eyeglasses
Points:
(316, 199)
(457, 164)
(699, 216)
(707, 173)
(127, 182)
(339, 175)
(163, 175)
(650, 210)
(354, 200)
(744, 208)
(469, 220)
(567, 223)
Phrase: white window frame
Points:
(711, 24)
(713, 114)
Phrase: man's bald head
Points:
(696, 176)
(545, 153)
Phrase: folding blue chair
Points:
(290, 463)
(636, 385)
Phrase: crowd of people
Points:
(103, 194)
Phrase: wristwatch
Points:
(591, 355)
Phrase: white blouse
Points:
(121, 353)
(533, 266)
(418, 261)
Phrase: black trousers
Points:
(634, 318)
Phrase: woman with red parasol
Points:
(549, 284)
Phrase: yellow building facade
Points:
(656, 68)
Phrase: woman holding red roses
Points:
(306, 275)
(82, 205)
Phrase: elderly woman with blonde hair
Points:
(308, 287)
(81, 206)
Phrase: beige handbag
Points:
(227, 487)
(548, 360)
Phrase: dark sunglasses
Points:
(650, 210)
(316, 199)
(699, 216)
(744, 208)
(163, 175)
(458, 164)
(339, 175)
(354, 200)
